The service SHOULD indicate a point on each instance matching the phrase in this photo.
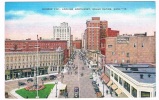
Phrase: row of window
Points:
(135, 45)
(27, 66)
(127, 86)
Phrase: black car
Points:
(52, 77)
(30, 80)
(94, 82)
(76, 92)
(21, 83)
(44, 78)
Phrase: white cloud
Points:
(146, 11)
(19, 13)
(34, 24)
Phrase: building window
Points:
(134, 44)
(112, 73)
(109, 46)
(19, 66)
(122, 60)
(127, 86)
(128, 61)
(142, 45)
(116, 77)
(145, 94)
(120, 81)
(134, 92)
(113, 53)
(115, 61)
(127, 55)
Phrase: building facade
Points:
(130, 49)
(31, 45)
(22, 64)
(94, 29)
(77, 44)
(135, 81)
(62, 32)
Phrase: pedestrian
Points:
(107, 91)
(111, 93)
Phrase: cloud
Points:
(146, 11)
(35, 23)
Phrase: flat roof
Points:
(135, 70)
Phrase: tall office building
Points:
(94, 30)
(62, 32)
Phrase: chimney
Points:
(141, 76)
(145, 33)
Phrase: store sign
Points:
(122, 39)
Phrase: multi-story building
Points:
(139, 48)
(21, 55)
(30, 45)
(94, 30)
(62, 32)
(108, 33)
(77, 44)
(71, 45)
(135, 80)
(22, 64)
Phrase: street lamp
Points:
(56, 87)
(103, 87)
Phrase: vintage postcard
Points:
(80, 49)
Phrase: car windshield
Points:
(76, 89)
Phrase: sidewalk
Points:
(97, 79)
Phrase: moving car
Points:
(21, 83)
(30, 80)
(52, 77)
(76, 92)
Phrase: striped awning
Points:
(26, 70)
(109, 83)
(118, 91)
(105, 78)
(102, 75)
(114, 86)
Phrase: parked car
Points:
(76, 92)
(6, 95)
(99, 94)
(90, 77)
(94, 82)
(44, 78)
(21, 83)
(96, 89)
(52, 77)
(30, 80)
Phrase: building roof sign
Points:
(122, 39)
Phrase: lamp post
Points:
(103, 87)
(56, 88)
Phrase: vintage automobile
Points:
(76, 92)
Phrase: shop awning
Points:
(118, 91)
(63, 87)
(109, 83)
(7, 72)
(105, 78)
(114, 86)
(102, 75)
(26, 70)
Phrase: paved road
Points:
(72, 80)
(83, 82)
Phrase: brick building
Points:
(30, 45)
(77, 44)
(139, 48)
(95, 29)
(109, 33)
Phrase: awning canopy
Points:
(114, 86)
(7, 72)
(63, 87)
(109, 83)
(118, 91)
(26, 70)
(102, 75)
(105, 78)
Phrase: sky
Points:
(27, 19)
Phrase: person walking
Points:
(107, 91)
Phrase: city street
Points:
(83, 82)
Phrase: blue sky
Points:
(24, 16)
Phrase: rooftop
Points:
(143, 73)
